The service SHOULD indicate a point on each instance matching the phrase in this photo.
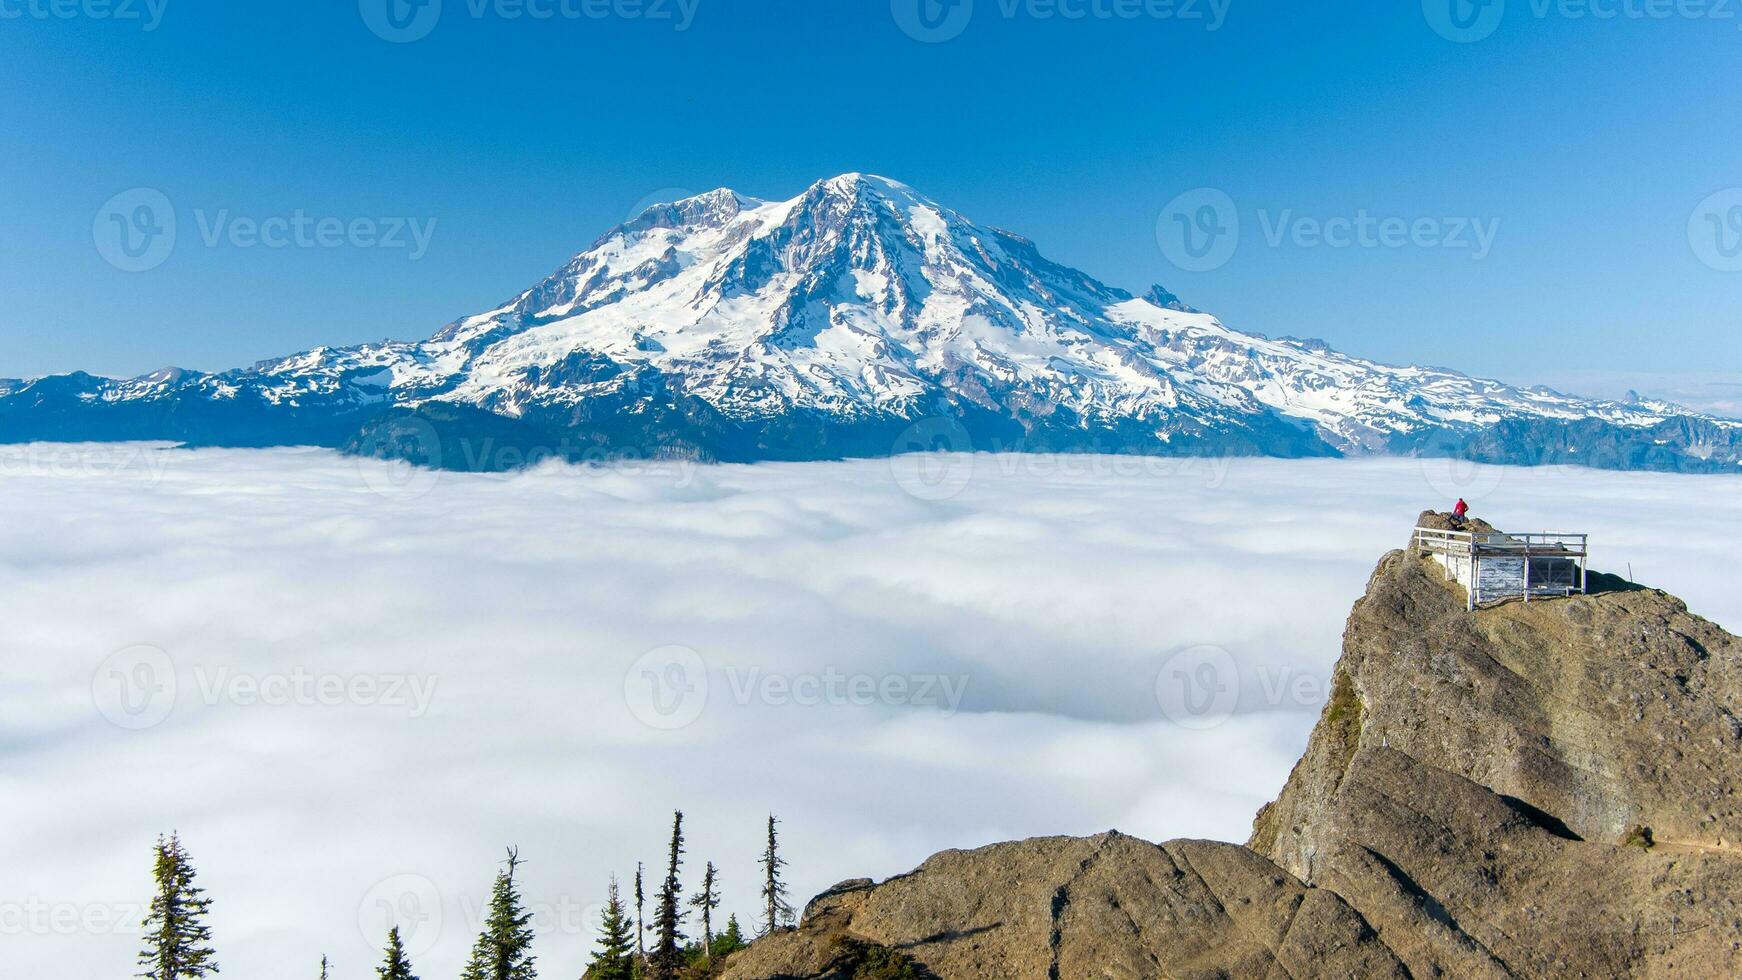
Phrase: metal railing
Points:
(1517, 565)
(1433, 539)
(1541, 542)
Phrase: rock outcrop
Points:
(1543, 789)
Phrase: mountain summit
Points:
(1527, 790)
(827, 325)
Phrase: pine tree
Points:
(708, 899)
(668, 956)
(640, 916)
(324, 966)
(776, 912)
(177, 940)
(397, 965)
(615, 959)
(728, 942)
(504, 949)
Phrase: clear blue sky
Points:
(1592, 141)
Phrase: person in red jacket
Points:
(1460, 511)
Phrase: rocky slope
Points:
(827, 326)
(1531, 790)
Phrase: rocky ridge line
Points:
(1531, 790)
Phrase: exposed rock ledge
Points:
(1531, 790)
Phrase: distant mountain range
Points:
(857, 319)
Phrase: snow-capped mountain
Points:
(828, 325)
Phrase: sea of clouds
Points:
(349, 685)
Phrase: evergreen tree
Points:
(668, 958)
(177, 940)
(504, 949)
(323, 966)
(728, 942)
(615, 959)
(397, 965)
(708, 899)
(776, 911)
(640, 916)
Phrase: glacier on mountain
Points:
(727, 327)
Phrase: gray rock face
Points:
(1108, 905)
(1531, 790)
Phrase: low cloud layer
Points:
(349, 685)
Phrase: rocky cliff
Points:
(1530, 790)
